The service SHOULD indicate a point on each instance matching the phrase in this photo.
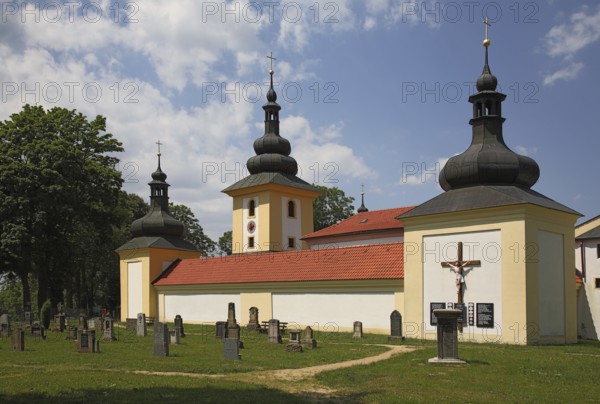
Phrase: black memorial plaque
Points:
(434, 306)
(485, 315)
(463, 308)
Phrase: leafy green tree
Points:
(224, 243)
(59, 190)
(194, 232)
(331, 207)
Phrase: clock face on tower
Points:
(251, 226)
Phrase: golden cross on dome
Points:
(272, 59)
(362, 189)
(159, 144)
(486, 41)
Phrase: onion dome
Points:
(488, 160)
(158, 221)
(362, 207)
(272, 151)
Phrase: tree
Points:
(224, 243)
(194, 232)
(331, 207)
(59, 190)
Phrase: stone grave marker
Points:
(28, 319)
(131, 324)
(95, 323)
(86, 341)
(82, 324)
(233, 328)
(253, 324)
(141, 330)
(60, 322)
(294, 335)
(5, 326)
(447, 336)
(174, 336)
(179, 324)
(308, 342)
(231, 349)
(17, 340)
(161, 339)
(220, 329)
(72, 333)
(358, 329)
(37, 330)
(395, 325)
(109, 331)
(274, 334)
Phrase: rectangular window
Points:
(250, 242)
(597, 283)
(291, 242)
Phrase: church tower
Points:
(157, 242)
(272, 207)
(490, 245)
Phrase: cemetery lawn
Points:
(126, 371)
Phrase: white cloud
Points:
(370, 23)
(526, 151)
(567, 39)
(567, 73)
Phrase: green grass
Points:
(51, 371)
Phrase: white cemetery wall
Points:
(482, 282)
(206, 307)
(134, 289)
(335, 309)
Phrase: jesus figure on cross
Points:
(458, 267)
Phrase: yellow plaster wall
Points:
(237, 224)
(519, 227)
(260, 300)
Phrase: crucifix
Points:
(272, 59)
(458, 267)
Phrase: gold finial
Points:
(486, 41)
(159, 144)
(272, 59)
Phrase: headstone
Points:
(274, 335)
(231, 349)
(395, 325)
(233, 328)
(141, 329)
(358, 331)
(294, 336)
(4, 326)
(179, 324)
(72, 333)
(447, 336)
(253, 324)
(83, 324)
(174, 336)
(59, 308)
(109, 332)
(161, 339)
(86, 341)
(17, 340)
(220, 329)
(308, 342)
(131, 324)
(28, 319)
(60, 322)
(37, 330)
(95, 323)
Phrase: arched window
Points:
(488, 108)
(252, 208)
(291, 209)
(479, 110)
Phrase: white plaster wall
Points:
(246, 219)
(134, 289)
(291, 226)
(551, 284)
(483, 283)
(201, 307)
(330, 310)
(589, 305)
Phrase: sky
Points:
(372, 92)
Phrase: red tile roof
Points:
(379, 261)
(377, 220)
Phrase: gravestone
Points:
(72, 333)
(358, 330)
(95, 323)
(274, 335)
(231, 349)
(253, 324)
(161, 339)
(17, 340)
(308, 342)
(233, 328)
(220, 329)
(37, 330)
(179, 324)
(28, 319)
(83, 324)
(60, 322)
(447, 336)
(86, 341)
(295, 336)
(174, 336)
(109, 331)
(395, 325)
(4, 326)
(131, 324)
(141, 329)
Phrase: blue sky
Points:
(372, 92)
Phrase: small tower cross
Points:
(159, 144)
(486, 41)
(272, 59)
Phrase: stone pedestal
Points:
(447, 337)
(274, 335)
(60, 322)
(358, 331)
(140, 325)
(231, 349)
(161, 339)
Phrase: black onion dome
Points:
(159, 175)
(487, 81)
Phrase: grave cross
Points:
(458, 267)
